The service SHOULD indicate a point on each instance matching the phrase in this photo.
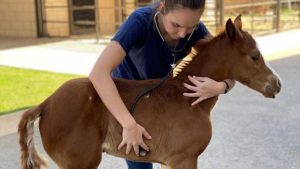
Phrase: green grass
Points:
(24, 88)
(288, 11)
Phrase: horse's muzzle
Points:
(273, 88)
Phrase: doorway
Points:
(82, 16)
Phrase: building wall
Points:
(108, 16)
(57, 14)
(17, 18)
(130, 6)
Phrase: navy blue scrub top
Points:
(147, 56)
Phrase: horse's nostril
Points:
(279, 83)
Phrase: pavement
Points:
(77, 56)
(71, 56)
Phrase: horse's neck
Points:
(211, 61)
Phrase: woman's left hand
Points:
(204, 88)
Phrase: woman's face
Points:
(181, 21)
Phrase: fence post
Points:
(222, 12)
(252, 15)
(278, 15)
(120, 12)
(97, 20)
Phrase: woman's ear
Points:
(162, 7)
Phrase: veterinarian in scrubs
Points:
(143, 48)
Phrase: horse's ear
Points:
(232, 32)
(238, 21)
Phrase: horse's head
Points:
(250, 68)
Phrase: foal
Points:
(76, 127)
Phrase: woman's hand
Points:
(204, 88)
(133, 137)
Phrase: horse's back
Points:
(76, 98)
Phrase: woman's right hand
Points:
(133, 137)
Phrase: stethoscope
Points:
(143, 152)
(172, 50)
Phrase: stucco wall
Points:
(107, 17)
(17, 18)
(57, 14)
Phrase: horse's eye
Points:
(255, 57)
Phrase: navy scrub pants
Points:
(138, 165)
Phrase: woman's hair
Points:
(171, 5)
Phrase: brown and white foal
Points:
(76, 127)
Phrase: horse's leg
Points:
(164, 167)
(81, 163)
(77, 148)
(78, 151)
(184, 164)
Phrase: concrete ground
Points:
(77, 56)
(249, 131)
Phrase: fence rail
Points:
(259, 17)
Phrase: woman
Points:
(143, 48)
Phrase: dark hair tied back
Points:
(170, 5)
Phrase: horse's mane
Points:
(194, 52)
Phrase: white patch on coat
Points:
(147, 96)
(273, 71)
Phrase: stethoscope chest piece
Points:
(142, 152)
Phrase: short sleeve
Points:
(132, 32)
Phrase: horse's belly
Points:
(114, 138)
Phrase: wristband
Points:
(227, 87)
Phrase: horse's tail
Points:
(30, 157)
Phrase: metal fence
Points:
(263, 16)
(259, 16)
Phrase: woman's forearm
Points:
(110, 58)
(108, 92)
